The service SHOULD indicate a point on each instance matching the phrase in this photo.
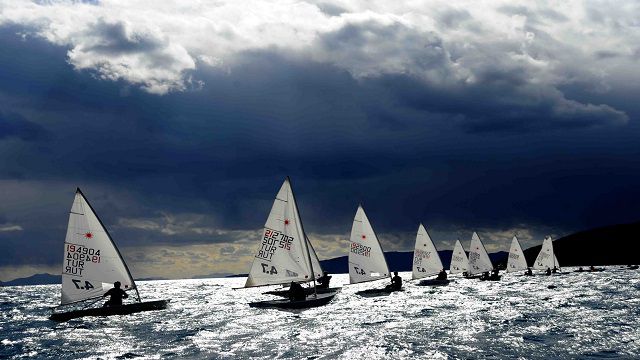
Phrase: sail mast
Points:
(306, 244)
(133, 283)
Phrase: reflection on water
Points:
(588, 315)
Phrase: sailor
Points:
(323, 281)
(296, 292)
(442, 275)
(528, 272)
(548, 272)
(555, 269)
(396, 282)
(592, 268)
(485, 276)
(494, 274)
(116, 294)
(580, 269)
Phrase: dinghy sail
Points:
(459, 261)
(546, 258)
(285, 254)
(516, 261)
(479, 261)
(426, 261)
(366, 258)
(91, 261)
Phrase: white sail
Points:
(556, 263)
(283, 255)
(459, 261)
(366, 259)
(545, 259)
(426, 260)
(92, 263)
(517, 261)
(479, 261)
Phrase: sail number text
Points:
(77, 256)
(271, 241)
(360, 249)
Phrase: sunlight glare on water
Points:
(587, 315)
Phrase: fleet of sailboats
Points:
(92, 263)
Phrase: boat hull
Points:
(377, 292)
(307, 291)
(433, 282)
(283, 304)
(111, 310)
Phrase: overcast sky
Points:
(180, 120)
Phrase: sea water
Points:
(574, 315)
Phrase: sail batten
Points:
(284, 252)
(517, 260)
(366, 258)
(426, 260)
(479, 261)
(91, 260)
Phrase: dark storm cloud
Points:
(455, 135)
(15, 125)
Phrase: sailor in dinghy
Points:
(366, 258)
(479, 261)
(426, 261)
(284, 256)
(546, 259)
(91, 263)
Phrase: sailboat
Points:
(91, 265)
(479, 261)
(366, 258)
(426, 260)
(516, 261)
(459, 261)
(284, 254)
(546, 258)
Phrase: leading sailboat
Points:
(91, 265)
(284, 255)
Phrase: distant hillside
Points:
(609, 245)
(37, 279)
(47, 279)
(402, 261)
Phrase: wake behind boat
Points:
(92, 264)
(284, 257)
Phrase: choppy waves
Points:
(587, 315)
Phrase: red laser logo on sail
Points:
(286, 221)
(88, 235)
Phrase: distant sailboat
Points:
(366, 258)
(284, 255)
(91, 265)
(516, 261)
(479, 261)
(426, 260)
(459, 260)
(546, 258)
